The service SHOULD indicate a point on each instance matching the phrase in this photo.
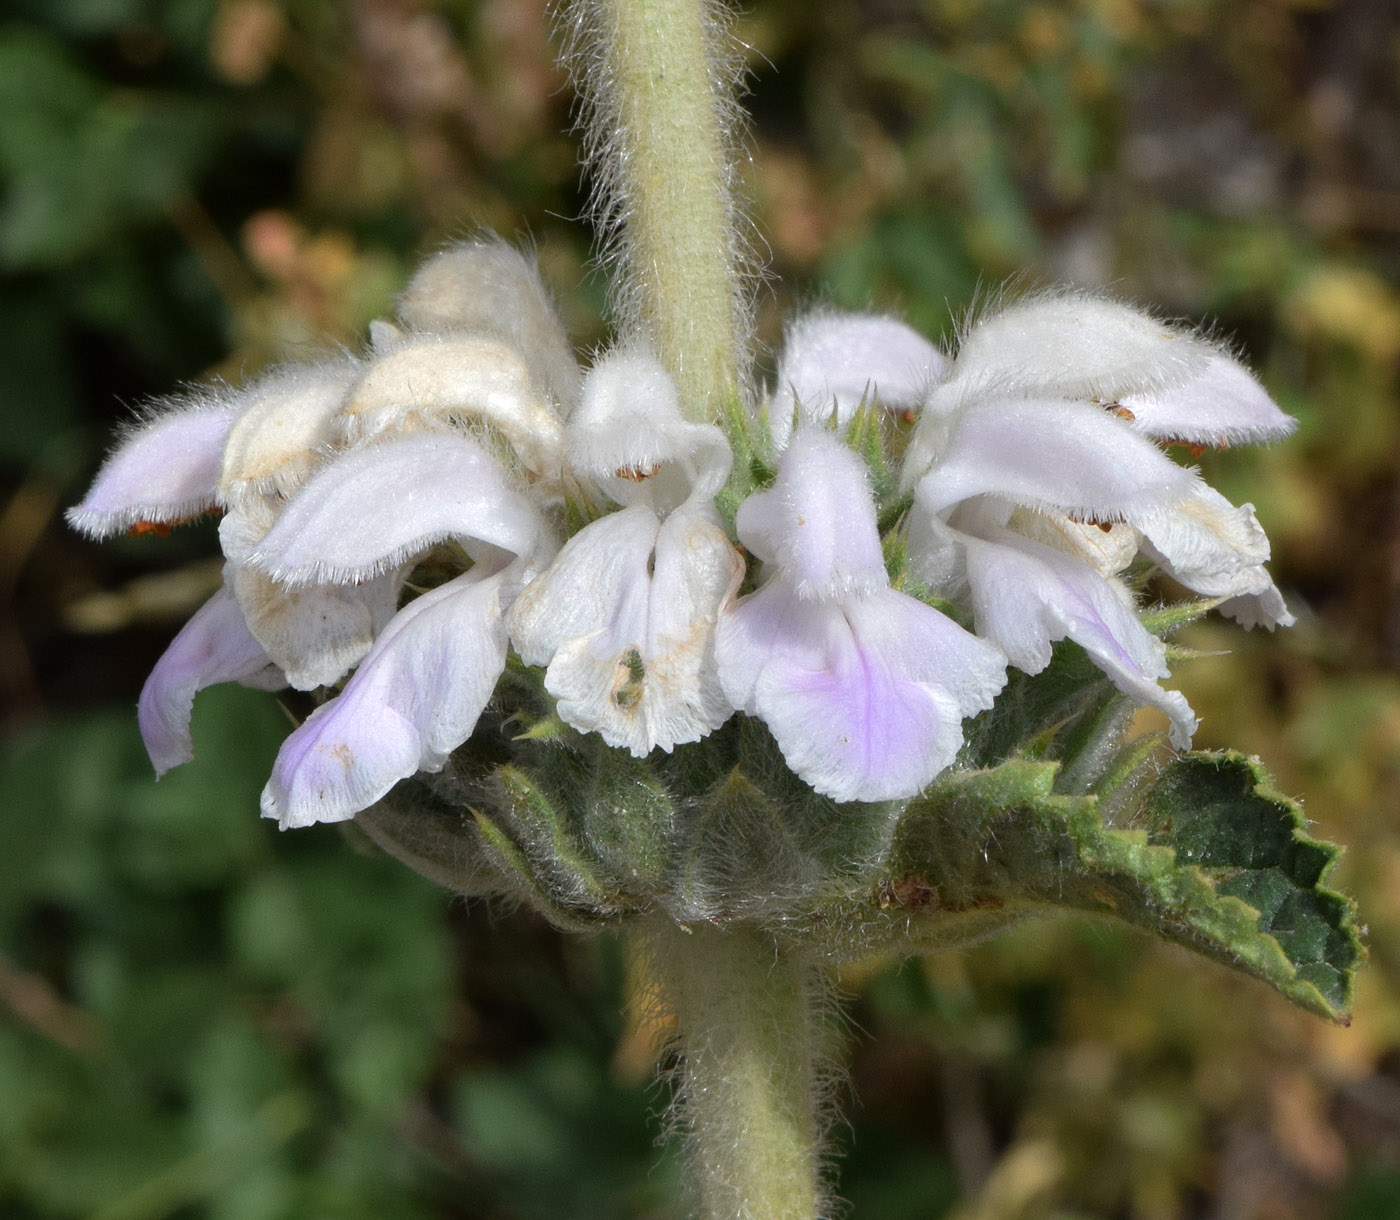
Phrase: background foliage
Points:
(202, 1018)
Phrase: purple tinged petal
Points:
(863, 688)
(1025, 596)
(831, 362)
(924, 645)
(1051, 455)
(817, 522)
(163, 471)
(379, 505)
(416, 698)
(214, 646)
(865, 697)
(1223, 405)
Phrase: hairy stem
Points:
(749, 1086)
(658, 100)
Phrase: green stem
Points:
(658, 90)
(750, 1036)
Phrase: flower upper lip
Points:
(831, 362)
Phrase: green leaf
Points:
(1215, 860)
(1219, 811)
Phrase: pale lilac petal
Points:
(1025, 596)
(1223, 405)
(213, 647)
(284, 428)
(1051, 455)
(817, 522)
(922, 644)
(435, 382)
(383, 503)
(1216, 550)
(486, 286)
(164, 470)
(630, 435)
(865, 697)
(416, 698)
(831, 362)
(1073, 345)
(624, 618)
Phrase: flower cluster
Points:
(396, 523)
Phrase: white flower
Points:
(473, 383)
(624, 618)
(486, 287)
(1038, 477)
(864, 688)
(315, 564)
(318, 633)
(466, 436)
(448, 429)
(1049, 417)
(419, 692)
(1167, 384)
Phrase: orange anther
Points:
(160, 528)
(1195, 448)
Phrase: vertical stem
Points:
(658, 92)
(750, 1037)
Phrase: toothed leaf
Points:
(1217, 862)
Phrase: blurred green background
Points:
(200, 1017)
